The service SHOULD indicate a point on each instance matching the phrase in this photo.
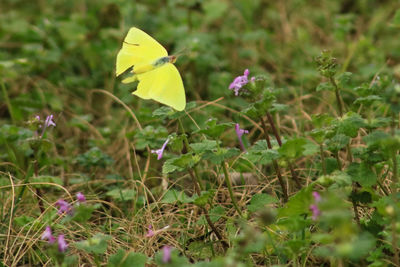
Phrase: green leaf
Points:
(259, 201)
(180, 163)
(206, 145)
(362, 173)
(325, 86)
(122, 194)
(221, 155)
(337, 142)
(172, 196)
(82, 213)
(293, 148)
(344, 79)
(297, 204)
(215, 130)
(216, 213)
(97, 244)
(204, 198)
(350, 124)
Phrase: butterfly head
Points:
(172, 59)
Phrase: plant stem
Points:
(323, 163)
(198, 188)
(275, 163)
(338, 98)
(278, 139)
(38, 192)
(229, 184)
(206, 215)
(187, 146)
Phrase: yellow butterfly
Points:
(158, 77)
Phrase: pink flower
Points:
(64, 206)
(150, 232)
(49, 121)
(317, 196)
(80, 197)
(239, 133)
(315, 212)
(240, 81)
(62, 244)
(47, 235)
(166, 254)
(160, 151)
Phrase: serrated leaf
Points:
(362, 173)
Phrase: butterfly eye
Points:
(172, 59)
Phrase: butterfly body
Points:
(153, 68)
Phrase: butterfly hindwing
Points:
(164, 85)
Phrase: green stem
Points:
(278, 139)
(188, 148)
(198, 188)
(323, 163)
(229, 184)
(275, 164)
(337, 94)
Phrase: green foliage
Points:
(96, 244)
(331, 117)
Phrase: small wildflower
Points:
(150, 232)
(62, 244)
(166, 254)
(64, 206)
(240, 81)
(317, 196)
(49, 121)
(160, 151)
(315, 212)
(47, 235)
(239, 133)
(80, 197)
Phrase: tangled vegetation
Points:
(287, 153)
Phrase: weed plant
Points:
(287, 153)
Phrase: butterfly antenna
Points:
(182, 51)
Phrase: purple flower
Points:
(239, 133)
(315, 212)
(62, 244)
(317, 196)
(47, 235)
(240, 81)
(166, 254)
(64, 206)
(160, 151)
(49, 121)
(150, 232)
(80, 197)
